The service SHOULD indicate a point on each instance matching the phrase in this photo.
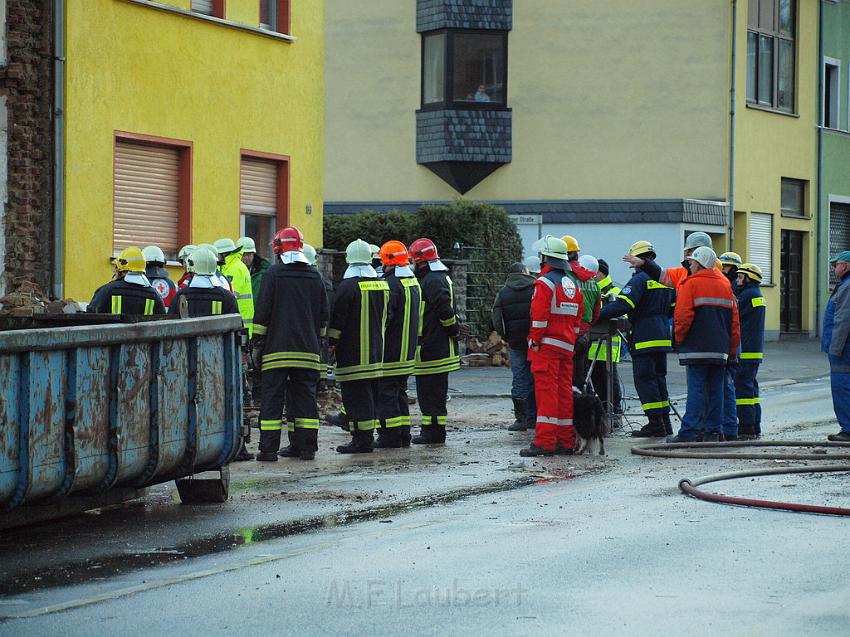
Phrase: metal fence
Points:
(486, 273)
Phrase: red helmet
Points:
(287, 240)
(394, 253)
(423, 250)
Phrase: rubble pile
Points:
(27, 299)
(492, 352)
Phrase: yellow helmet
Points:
(641, 247)
(572, 244)
(131, 259)
(731, 258)
(751, 271)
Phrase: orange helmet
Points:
(287, 240)
(423, 250)
(394, 253)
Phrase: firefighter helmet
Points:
(310, 253)
(288, 239)
(553, 247)
(131, 259)
(224, 246)
(423, 250)
(639, 248)
(751, 271)
(358, 252)
(246, 244)
(202, 261)
(394, 253)
(153, 254)
(185, 251)
(589, 262)
(731, 258)
(705, 256)
(532, 264)
(696, 240)
(572, 244)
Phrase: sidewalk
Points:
(784, 362)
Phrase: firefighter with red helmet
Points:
(292, 312)
(437, 354)
(400, 341)
(556, 311)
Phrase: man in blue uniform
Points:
(751, 311)
(836, 344)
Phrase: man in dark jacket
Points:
(202, 297)
(511, 319)
(292, 311)
(256, 264)
(437, 355)
(835, 343)
(130, 293)
(356, 331)
(649, 305)
(751, 310)
(158, 275)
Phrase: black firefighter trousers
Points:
(297, 386)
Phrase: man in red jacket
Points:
(556, 309)
(708, 333)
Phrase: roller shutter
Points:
(258, 188)
(839, 231)
(147, 180)
(760, 250)
(203, 6)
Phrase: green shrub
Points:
(371, 226)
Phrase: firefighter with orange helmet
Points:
(400, 343)
(438, 354)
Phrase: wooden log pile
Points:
(492, 352)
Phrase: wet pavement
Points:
(292, 510)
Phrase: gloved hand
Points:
(533, 346)
(464, 330)
(258, 343)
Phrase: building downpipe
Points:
(732, 125)
(58, 277)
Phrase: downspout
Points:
(59, 149)
(732, 126)
(819, 224)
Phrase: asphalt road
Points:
(583, 545)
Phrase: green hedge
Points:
(468, 223)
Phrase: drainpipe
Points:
(819, 223)
(59, 149)
(732, 126)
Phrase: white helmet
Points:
(589, 262)
(246, 244)
(153, 254)
(185, 251)
(310, 253)
(202, 261)
(705, 256)
(696, 240)
(532, 264)
(358, 252)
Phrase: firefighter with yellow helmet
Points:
(130, 293)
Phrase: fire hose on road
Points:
(704, 450)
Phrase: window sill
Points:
(283, 37)
(770, 109)
(800, 217)
(464, 106)
(835, 131)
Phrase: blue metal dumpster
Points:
(88, 410)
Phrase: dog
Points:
(588, 420)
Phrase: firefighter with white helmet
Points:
(202, 296)
(158, 275)
(356, 331)
(256, 264)
(130, 293)
(240, 280)
(556, 310)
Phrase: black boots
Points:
(361, 442)
(519, 415)
(389, 438)
(668, 426)
(430, 435)
(533, 450)
(655, 428)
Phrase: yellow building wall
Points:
(614, 99)
(770, 146)
(147, 71)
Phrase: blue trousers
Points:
(650, 376)
(730, 418)
(522, 385)
(840, 382)
(704, 409)
(747, 401)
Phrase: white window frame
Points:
(836, 64)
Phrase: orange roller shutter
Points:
(147, 184)
(258, 187)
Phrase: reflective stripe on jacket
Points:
(438, 328)
(751, 311)
(706, 320)
(357, 325)
(649, 305)
(556, 310)
(402, 334)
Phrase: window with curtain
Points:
(771, 49)
(464, 69)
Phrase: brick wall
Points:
(26, 83)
